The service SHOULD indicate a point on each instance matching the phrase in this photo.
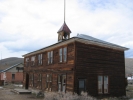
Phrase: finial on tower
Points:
(64, 9)
(64, 31)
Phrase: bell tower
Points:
(64, 31)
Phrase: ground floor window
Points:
(81, 85)
(61, 83)
(32, 80)
(13, 76)
(103, 84)
(40, 81)
(49, 82)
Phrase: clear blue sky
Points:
(28, 25)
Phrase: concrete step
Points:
(21, 91)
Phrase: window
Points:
(60, 54)
(27, 62)
(32, 80)
(63, 54)
(49, 82)
(40, 59)
(62, 83)
(103, 84)
(33, 60)
(40, 77)
(50, 57)
(13, 76)
(81, 85)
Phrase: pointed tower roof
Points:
(64, 28)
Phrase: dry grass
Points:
(129, 91)
(12, 86)
(67, 96)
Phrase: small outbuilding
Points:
(12, 74)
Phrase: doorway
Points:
(62, 83)
(27, 81)
(81, 85)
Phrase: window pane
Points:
(64, 79)
(47, 78)
(50, 78)
(59, 87)
(48, 57)
(59, 78)
(60, 54)
(64, 88)
(41, 59)
(105, 84)
(13, 76)
(100, 83)
(65, 53)
(81, 83)
(51, 57)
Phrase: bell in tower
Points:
(64, 32)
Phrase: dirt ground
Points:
(6, 94)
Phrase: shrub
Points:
(67, 96)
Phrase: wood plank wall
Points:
(55, 69)
(92, 61)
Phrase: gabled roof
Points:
(10, 67)
(64, 28)
(83, 39)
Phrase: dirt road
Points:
(6, 94)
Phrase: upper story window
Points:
(63, 54)
(27, 62)
(40, 59)
(33, 60)
(50, 57)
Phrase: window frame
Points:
(27, 62)
(33, 60)
(13, 76)
(63, 54)
(103, 84)
(61, 84)
(49, 82)
(50, 57)
(40, 59)
(32, 79)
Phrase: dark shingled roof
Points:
(64, 28)
(11, 67)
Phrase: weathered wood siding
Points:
(92, 61)
(56, 68)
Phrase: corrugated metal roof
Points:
(85, 38)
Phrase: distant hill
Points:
(5, 63)
(129, 65)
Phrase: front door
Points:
(27, 81)
(81, 85)
(61, 83)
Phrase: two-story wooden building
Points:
(80, 63)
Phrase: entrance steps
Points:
(21, 91)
